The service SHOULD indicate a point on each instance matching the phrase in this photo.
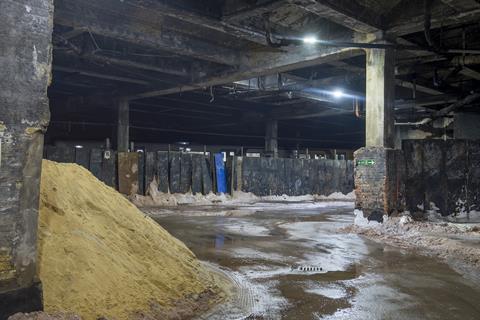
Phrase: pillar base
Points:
(21, 300)
(378, 182)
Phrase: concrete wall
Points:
(294, 177)
(25, 63)
(178, 172)
(439, 175)
(442, 174)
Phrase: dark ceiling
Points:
(204, 72)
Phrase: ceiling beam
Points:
(262, 64)
(346, 13)
(162, 8)
(78, 16)
(412, 18)
(417, 87)
(99, 75)
(172, 70)
(288, 113)
(469, 72)
(256, 10)
(462, 5)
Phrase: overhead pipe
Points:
(428, 26)
(443, 112)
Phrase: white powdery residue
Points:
(247, 228)
(332, 291)
(28, 8)
(259, 272)
(361, 221)
(248, 253)
(286, 198)
(338, 196)
(471, 216)
(330, 250)
(434, 214)
(405, 219)
(250, 298)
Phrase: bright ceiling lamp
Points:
(337, 94)
(310, 40)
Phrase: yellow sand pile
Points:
(99, 256)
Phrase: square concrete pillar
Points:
(380, 97)
(25, 65)
(271, 138)
(123, 125)
(376, 165)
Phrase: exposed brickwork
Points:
(378, 183)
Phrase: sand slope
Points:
(99, 256)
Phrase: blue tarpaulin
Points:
(220, 171)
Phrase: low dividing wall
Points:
(183, 172)
(294, 177)
(442, 174)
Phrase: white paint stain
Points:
(28, 122)
(28, 8)
(35, 58)
(40, 69)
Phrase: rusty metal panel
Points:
(163, 171)
(150, 168)
(185, 172)
(197, 173)
(175, 172)
(207, 183)
(128, 172)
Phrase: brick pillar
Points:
(379, 187)
(25, 65)
(376, 165)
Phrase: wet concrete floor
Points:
(288, 261)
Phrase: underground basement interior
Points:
(239, 159)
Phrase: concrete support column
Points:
(380, 97)
(271, 138)
(377, 173)
(123, 125)
(25, 65)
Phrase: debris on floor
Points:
(99, 256)
(156, 198)
(456, 243)
(44, 316)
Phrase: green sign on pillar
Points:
(366, 162)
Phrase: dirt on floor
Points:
(100, 257)
(457, 244)
(44, 316)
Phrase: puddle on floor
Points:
(289, 262)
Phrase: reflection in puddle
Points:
(289, 262)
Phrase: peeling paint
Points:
(33, 130)
(28, 122)
(40, 69)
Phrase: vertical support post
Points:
(271, 138)
(376, 175)
(123, 125)
(25, 60)
(380, 97)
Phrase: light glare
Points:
(310, 40)
(337, 94)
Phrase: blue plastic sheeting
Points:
(220, 171)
